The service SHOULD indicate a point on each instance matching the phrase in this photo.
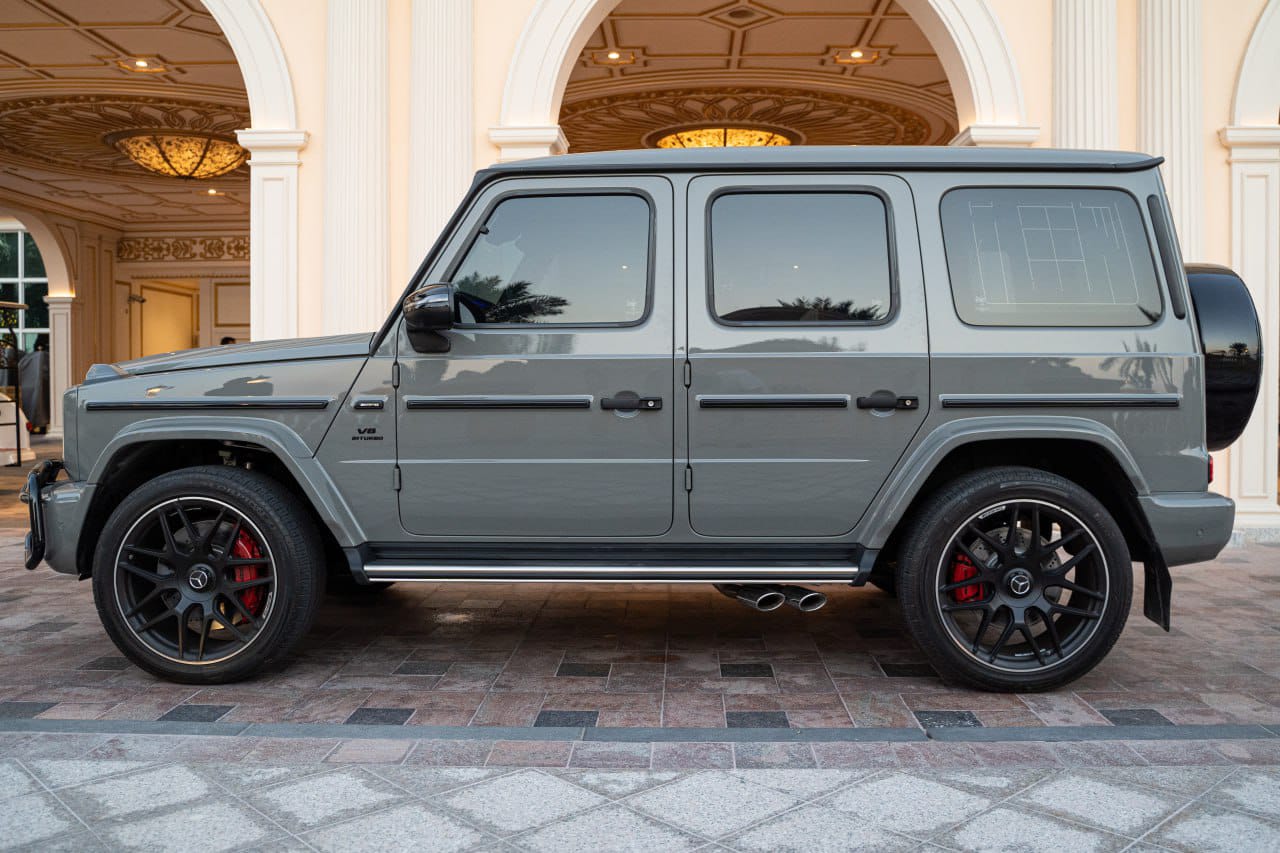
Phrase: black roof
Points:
(832, 158)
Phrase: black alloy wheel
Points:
(195, 580)
(1014, 579)
(206, 574)
(1022, 585)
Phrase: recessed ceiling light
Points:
(613, 57)
(856, 56)
(212, 191)
(141, 64)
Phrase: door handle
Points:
(888, 400)
(630, 401)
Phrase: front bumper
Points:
(56, 511)
(1189, 527)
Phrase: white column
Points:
(273, 231)
(356, 261)
(60, 339)
(1255, 255)
(441, 122)
(1170, 108)
(1085, 102)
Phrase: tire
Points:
(1030, 617)
(205, 575)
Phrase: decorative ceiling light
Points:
(179, 153)
(613, 57)
(141, 64)
(856, 56)
(723, 137)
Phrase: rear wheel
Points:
(1015, 579)
(206, 574)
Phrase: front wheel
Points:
(1014, 579)
(204, 575)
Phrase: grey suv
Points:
(979, 378)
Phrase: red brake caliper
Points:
(247, 549)
(961, 570)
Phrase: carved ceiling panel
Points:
(847, 70)
(69, 77)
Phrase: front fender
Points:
(282, 442)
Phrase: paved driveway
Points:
(664, 717)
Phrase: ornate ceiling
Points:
(68, 78)
(786, 64)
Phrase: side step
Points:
(594, 564)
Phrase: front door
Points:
(551, 413)
(808, 349)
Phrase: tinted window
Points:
(800, 258)
(558, 259)
(1049, 257)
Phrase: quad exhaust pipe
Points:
(764, 597)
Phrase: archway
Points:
(1253, 139)
(273, 141)
(965, 34)
(59, 268)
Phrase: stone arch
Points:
(1257, 98)
(273, 141)
(967, 36)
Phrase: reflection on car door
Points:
(808, 349)
(550, 415)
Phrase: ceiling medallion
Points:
(721, 136)
(179, 153)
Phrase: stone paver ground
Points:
(418, 719)
(54, 796)
(649, 656)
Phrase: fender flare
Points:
(281, 441)
(908, 478)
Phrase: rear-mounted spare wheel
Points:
(1232, 342)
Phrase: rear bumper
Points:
(1189, 527)
(56, 511)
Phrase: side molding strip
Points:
(1060, 401)
(769, 401)
(418, 404)
(209, 405)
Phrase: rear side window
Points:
(558, 260)
(1049, 257)
(804, 257)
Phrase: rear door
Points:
(808, 349)
(551, 413)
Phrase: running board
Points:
(610, 565)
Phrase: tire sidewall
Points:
(289, 537)
(923, 560)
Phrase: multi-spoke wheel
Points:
(1015, 579)
(205, 574)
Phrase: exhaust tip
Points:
(762, 598)
(804, 600)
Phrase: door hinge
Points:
(688, 373)
(688, 478)
(395, 478)
(395, 374)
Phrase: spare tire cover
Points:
(1231, 340)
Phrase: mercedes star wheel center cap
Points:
(200, 578)
(1019, 582)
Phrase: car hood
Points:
(258, 352)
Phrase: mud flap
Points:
(1157, 599)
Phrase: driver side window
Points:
(558, 260)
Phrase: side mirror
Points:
(427, 312)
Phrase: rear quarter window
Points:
(1039, 256)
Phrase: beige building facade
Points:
(364, 120)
